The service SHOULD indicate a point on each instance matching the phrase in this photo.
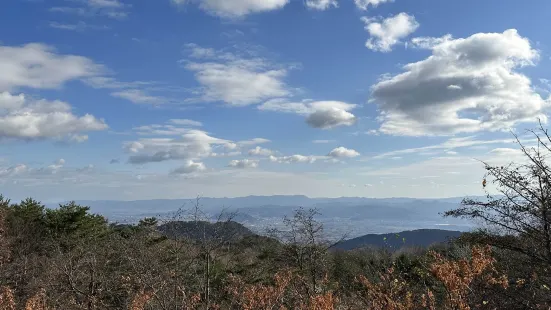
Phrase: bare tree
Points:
(519, 218)
(211, 237)
(305, 242)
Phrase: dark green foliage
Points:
(85, 263)
(73, 223)
(148, 222)
(26, 226)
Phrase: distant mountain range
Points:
(353, 216)
(161, 206)
(229, 231)
(414, 238)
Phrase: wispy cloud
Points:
(80, 26)
(138, 96)
(88, 8)
(448, 146)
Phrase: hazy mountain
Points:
(352, 216)
(421, 237)
(210, 204)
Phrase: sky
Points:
(143, 99)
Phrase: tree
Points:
(4, 242)
(305, 244)
(149, 222)
(210, 237)
(518, 220)
(26, 226)
(72, 221)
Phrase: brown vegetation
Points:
(68, 258)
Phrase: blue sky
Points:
(118, 99)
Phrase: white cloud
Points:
(9, 102)
(253, 141)
(330, 118)
(25, 172)
(321, 4)
(53, 168)
(319, 114)
(12, 171)
(429, 42)
(138, 96)
(235, 80)
(488, 94)
(235, 8)
(190, 167)
(454, 87)
(192, 144)
(259, 151)
(243, 164)
(294, 159)
(323, 141)
(185, 122)
(27, 119)
(342, 152)
(225, 154)
(231, 146)
(39, 66)
(134, 147)
(388, 32)
(185, 144)
(364, 4)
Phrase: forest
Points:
(69, 258)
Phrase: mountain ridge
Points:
(398, 240)
(353, 216)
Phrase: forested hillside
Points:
(404, 239)
(69, 258)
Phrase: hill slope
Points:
(421, 237)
